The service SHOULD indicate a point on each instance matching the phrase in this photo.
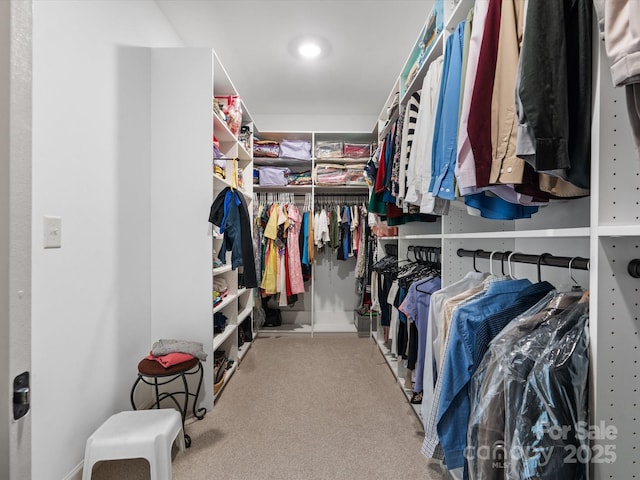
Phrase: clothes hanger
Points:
(502, 257)
(510, 265)
(575, 286)
(493, 252)
(539, 261)
(475, 253)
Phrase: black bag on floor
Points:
(273, 317)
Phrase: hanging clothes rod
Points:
(577, 263)
(634, 268)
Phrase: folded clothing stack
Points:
(330, 174)
(220, 286)
(300, 178)
(173, 352)
(220, 290)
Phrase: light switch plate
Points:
(52, 232)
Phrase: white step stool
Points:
(145, 434)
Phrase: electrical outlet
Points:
(52, 232)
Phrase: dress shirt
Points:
(449, 307)
(465, 170)
(465, 58)
(454, 405)
(445, 150)
(434, 335)
(419, 169)
(416, 306)
(431, 444)
(479, 128)
(496, 208)
(506, 167)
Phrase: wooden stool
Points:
(152, 373)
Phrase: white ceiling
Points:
(370, 42)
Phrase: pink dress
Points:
(293, 250)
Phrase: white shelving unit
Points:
(323, 307)
(183, 83)
(605, 228)
(238, 173)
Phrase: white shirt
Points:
(433, 350)
(419, 169)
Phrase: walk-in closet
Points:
(354, 239)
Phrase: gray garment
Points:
(633, 107)
(619, 23)
(164, 347)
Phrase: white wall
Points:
(4, 239)
(317, 123)
(91, 166)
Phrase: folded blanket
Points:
(170, 359)
(164, 346)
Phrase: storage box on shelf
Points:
(428, 46)
(339, 162)
(283, 160)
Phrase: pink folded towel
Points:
(170, 358)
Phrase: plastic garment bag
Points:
(548, 436)
(527, 365)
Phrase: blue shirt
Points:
(416, 306)
(455, 407)
(445, 141)
(498, 209)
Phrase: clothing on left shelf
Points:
(229, 212)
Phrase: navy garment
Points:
(383, 292)
(230, 227)
(412, 356)
(389, 153)
(237, 233)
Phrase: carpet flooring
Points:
(302, 407)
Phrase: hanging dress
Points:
(293, 251)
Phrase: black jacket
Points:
(556, 85)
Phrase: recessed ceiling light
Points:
(309, 50)
(309, 47)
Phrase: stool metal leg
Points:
(201, 412)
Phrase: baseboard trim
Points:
(76, 473)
